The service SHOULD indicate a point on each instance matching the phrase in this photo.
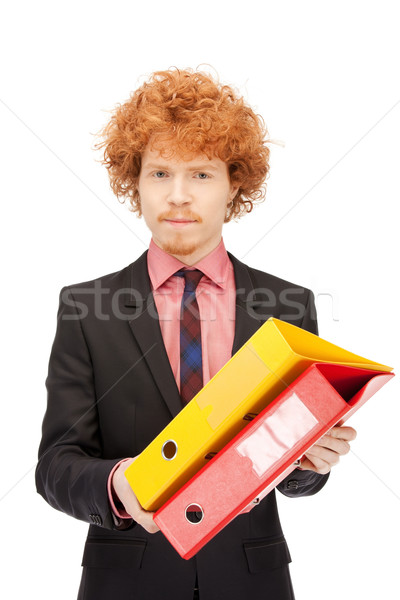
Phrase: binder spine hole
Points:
(194, 514)
(169, 450)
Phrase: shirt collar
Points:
(162, 266)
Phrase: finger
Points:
(144, 518)
(343, 433)
(148, 524)
(337, 445)
(318, 455)
(316, 464)
(146, 521)
(306, 463)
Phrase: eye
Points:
(158, 173)
(205, 175)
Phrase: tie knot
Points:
(192, 278)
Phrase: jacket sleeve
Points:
(71, 474)
(305, 482)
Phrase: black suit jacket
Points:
(111, 391)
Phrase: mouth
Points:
(179, 222)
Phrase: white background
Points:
(324, 75)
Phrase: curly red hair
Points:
(185, 113)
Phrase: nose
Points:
(179, 193)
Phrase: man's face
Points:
(194, 192)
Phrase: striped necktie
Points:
(191, 367)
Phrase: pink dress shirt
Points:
(216, 298)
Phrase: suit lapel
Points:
(246, 320)
(146, 329)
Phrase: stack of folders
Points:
(258, 458)
(240, 435)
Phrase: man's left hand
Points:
(327, 451)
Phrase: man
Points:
(190, 155)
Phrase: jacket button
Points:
(293, 484)
(96, 519)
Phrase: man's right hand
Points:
(129, 500)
